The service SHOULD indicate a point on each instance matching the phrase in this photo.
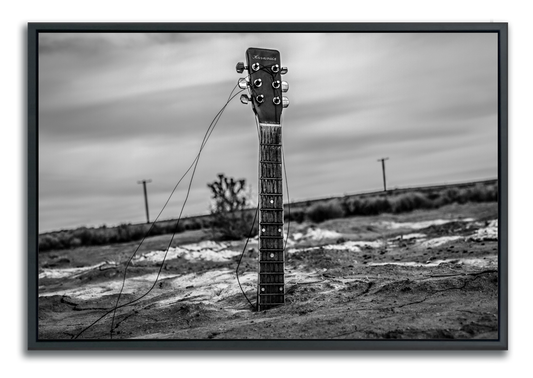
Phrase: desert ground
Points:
(427, 274)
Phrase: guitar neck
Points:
(271, 290)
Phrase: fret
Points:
(271, 187)
(271, 278)
(272, 289)
(269, 201)
(273, 292)
(269, 244)
(268, 230)
(271, 216)
(271, 300)
(272, 256)
(271, 267)
(271, 171)
(270, 135)
(271, 305)
(270, 153)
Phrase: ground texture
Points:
(422, 275)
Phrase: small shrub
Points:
(375, 206)
(320, 212)
(230, 201)
(295, 215)
(409, 202)
(483, 193)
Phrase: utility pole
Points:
(145, 198)
(382, 160)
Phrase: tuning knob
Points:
(276, 68)
(286, 102)
(240, 67)
(245, 99)
(283, 84)
(243, 83)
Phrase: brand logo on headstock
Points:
(263, 57)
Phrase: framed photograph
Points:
(267, 186)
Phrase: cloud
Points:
(118, 107)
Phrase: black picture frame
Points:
(202, 353)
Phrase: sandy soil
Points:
(423, 275)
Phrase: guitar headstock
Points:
(265, 87)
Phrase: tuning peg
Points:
(284, 70)
(243, 83)
(286, 102)
(240, 67)
(245, 99)
(283, 84)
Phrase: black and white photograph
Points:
(251, 184)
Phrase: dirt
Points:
(423, 275)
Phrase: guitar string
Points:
(194, 163)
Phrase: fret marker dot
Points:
(280, 289)
(262, 289)
(279, 229)
(271, 201)
(263, 229)
(271, 255)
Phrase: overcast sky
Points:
(120, 107)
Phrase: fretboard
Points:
(270, 288)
